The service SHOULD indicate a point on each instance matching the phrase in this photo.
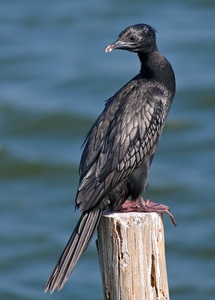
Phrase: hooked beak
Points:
(119, 45)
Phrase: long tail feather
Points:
(76, 245)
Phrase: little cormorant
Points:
(120, 146)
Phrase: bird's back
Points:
(131, 121)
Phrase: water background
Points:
(54, 79)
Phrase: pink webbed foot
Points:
(146, 206)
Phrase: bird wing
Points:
(127, 131)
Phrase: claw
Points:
(146, 206)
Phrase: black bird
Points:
(120, 146)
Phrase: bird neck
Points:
(155, 66)
(147, 64)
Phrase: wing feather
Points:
(118, 143)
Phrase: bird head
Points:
(136, 38)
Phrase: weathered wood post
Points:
(132, 256)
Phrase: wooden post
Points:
(132, 256)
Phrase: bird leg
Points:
(139, 205)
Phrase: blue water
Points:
(54, 79)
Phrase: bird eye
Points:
(132, 37)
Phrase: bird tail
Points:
(76, 245)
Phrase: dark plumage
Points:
(120, 146)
